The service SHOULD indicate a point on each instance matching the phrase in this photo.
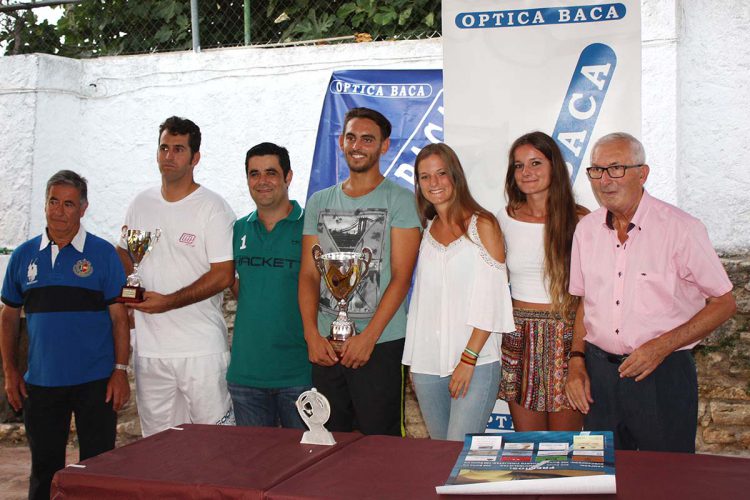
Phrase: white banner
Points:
(571, 69)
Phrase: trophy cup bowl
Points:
(139, 244)
(342, 272)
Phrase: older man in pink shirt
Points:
(651, 287)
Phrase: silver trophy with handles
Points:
(342, 272)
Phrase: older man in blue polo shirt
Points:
(66, 280)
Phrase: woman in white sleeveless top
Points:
(538, 226)
(460, 302)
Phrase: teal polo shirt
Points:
(268, 347)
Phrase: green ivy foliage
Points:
(22, 33)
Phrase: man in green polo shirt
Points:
(269, 367)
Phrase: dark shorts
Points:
(369, 399)
(659, 413)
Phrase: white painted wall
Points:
(713, 118)
(659, 95)
(100, 117)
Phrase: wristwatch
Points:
(121, 367)
(576, 354)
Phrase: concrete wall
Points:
(100, 117)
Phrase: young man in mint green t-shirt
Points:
(269, 366)
(364, 386)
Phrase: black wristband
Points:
(576, 354)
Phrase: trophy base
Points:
(338, 345)
(342, 329)
(131, 294)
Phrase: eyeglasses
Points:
(613, 171)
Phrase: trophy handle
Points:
(124, 236)
(365, 264)
(317, 253)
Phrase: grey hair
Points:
(636, 148)
(70, 178)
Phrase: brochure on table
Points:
(534, 463)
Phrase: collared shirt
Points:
(656, 280)
(78, 242)
(268, 348)
(66, 293)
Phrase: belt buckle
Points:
(617, 358)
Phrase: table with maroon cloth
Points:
(199, 461)
(380, 467)
(253, 462)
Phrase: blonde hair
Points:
(462, 203)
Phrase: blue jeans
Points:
(449, 418)
(258, 407)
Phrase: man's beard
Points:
(363, 167)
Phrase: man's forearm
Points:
(404, 248)
(391, 300)
(716, 312)
(208, 285)
(579, 330)
(10, 327)
(127, 263)
(308, 288)
(308, 296)
(120, 333)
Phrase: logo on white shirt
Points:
(187, 239)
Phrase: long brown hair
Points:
(561, 220)
(462, 203)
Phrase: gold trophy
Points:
(139, 243)
(342, 272)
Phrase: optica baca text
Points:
(385, 90)
(533, 17)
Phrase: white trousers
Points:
(174, 391)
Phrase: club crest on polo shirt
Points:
(31, 272)
(83, 268)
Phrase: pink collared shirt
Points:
(655, 281)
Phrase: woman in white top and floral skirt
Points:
(538, 225)
(460, 302)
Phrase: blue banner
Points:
(411, 99)
(582, 103)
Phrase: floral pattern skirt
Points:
(535, 361)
